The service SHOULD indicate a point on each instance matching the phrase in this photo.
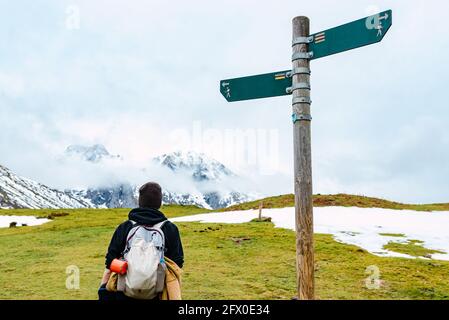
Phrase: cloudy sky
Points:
(142, 78)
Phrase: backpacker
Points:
(144, 253)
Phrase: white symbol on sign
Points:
(375, 22)
(379, 30)
(384, 17)
(227, 89)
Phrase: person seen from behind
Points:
(141, 251)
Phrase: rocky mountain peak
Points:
(94, 153)
(200, 166)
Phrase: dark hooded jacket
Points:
(146, 216)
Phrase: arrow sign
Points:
(349, 36)
(352, 35)
(256, 87)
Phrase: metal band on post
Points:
(297, 86)
(302, 55)
(298, 71)
(301, 117)
(302, 40)
(297, 100)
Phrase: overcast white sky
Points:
(137, 75)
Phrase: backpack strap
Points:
(160, 224)
(130, 236)
(136, 226)
(157, 225)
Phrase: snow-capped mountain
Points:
(118, 196)
(203, 171)
(197, 164)
(19, 192)
(205, 179)
(186, 199)
(206, 183)
(94, 153)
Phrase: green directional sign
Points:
(346, 37)
(352, 35)
(256, 87)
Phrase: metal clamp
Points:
(295, 71)
(302, 55)
(301, 117)
(297, 86)
(297, 100)
(302, 40)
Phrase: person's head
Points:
(150, 195)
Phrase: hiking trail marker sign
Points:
(346, 37)
(350, 36)
(255, 87)
(296, 82)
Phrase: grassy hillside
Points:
(223, 261)
(343, 200)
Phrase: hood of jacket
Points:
(147, 216)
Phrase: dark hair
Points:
(150, 195)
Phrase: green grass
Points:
(341, 200)
(223, 261)
(411, 247)
(397, 235)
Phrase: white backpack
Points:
(144, 253)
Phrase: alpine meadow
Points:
(233, 159)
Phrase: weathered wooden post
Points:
(302, 157)
(296, 82)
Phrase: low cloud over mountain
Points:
(187, 178)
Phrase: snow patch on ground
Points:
(20, 220)
(357, 226)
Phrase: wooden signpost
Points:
(296, 82)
